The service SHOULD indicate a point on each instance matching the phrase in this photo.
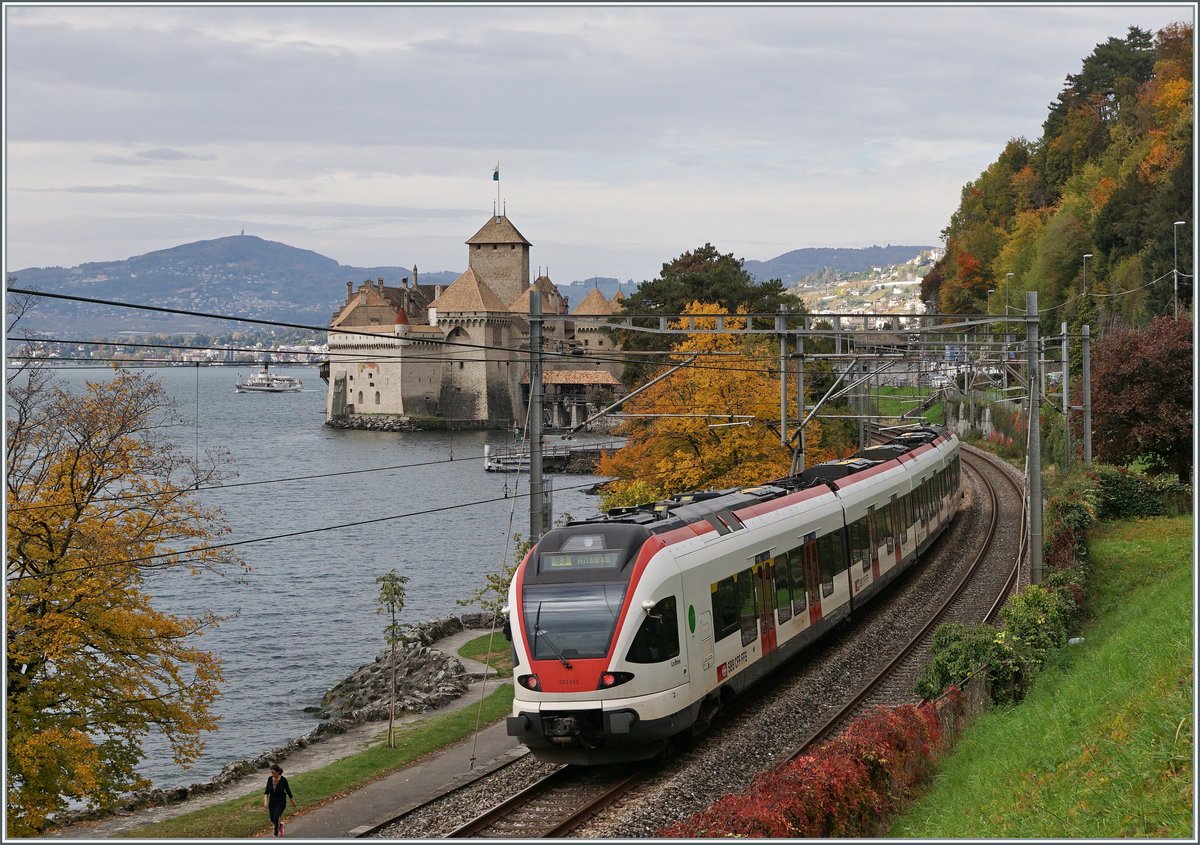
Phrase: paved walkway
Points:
(367, 809)
(364, 809)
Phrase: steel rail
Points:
(830, 724)
(564, 821)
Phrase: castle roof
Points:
(594, 303)
(498, 230)
(367, 296)
(468, 293)
(552, 298)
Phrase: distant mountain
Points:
(576, 291)
(246, 276)
(793, 266)
(241, 275)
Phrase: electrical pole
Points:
(800, 394)
(1066, 401)
(1087, 396)
(781, 327)
(1034, 471)
(537, 503)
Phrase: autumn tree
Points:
(719, 419)
(1110, 177)
(704, 275)
(98, 501)
(1142, 395)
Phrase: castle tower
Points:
(499, 255)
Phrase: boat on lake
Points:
(265, 382)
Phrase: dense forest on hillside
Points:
(1109, 178)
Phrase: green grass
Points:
(500, 657)
(245, 816)
(895, 401)
(1102, 746)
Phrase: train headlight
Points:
(530, 682)
(614, 679)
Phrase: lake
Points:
(305, 616)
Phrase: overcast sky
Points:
(625, 135)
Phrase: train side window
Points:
(725, 608)
(783, 589)
(830, 557)
(860, 539)
(747, 606)
(799, 594)
(658, 637)
(886, 534)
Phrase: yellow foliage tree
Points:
(97, 500)
(719, 423)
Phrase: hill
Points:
(241, 274)
(248, 276)
(793, 266)
(1111, 179)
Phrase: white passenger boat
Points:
(264, 382)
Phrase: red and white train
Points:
(634, 627)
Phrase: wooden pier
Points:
(556, 456)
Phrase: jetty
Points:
(560, 456)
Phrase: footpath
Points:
(362, 811)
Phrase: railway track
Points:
(570, 799)
(569, 796)
(554, 805)
(918, 645)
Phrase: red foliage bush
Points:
(844, 787)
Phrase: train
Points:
(638, 625)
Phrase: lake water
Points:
(305, 616)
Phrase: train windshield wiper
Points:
(537, 631)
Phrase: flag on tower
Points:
(496, 173)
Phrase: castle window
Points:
(495, 246)
(360, 397)
(376, 397)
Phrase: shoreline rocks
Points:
(425, 678)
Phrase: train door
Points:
(812, 577)
(706, 638)
(873, 541)
(764, 583)
(899, 530)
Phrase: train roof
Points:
(714, 506)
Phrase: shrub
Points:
(1125, 494)
(1035, 623)
(957, 651)
(845, 787)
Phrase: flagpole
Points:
(496, 175)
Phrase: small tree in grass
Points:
(391, 600)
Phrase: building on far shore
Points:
(458, 356)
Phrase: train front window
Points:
(564, 621)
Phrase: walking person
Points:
(275, 797)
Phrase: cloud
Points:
(621, 131)
(166, 154)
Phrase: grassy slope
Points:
(1103, 744)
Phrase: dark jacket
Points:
(279, 794)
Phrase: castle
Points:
(461, 354)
